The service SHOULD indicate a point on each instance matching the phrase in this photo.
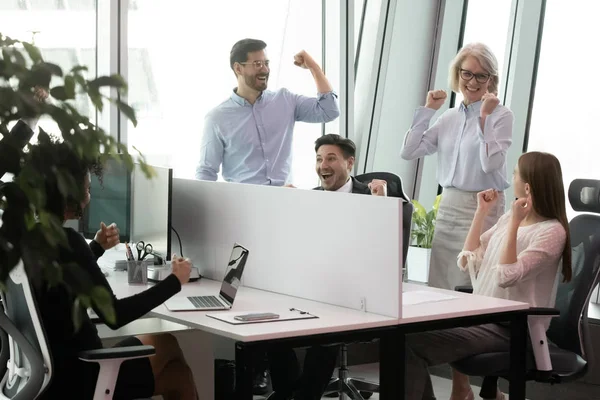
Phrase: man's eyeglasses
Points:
(258, 64)
(468, 75)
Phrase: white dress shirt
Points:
(347, 188)
(469, 159)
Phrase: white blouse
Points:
(469, 158)
(533, 278)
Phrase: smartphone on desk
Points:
(256, 317)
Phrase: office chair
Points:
(358, 389)
(567, 356)
(29, 368)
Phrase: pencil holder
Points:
(137, 272)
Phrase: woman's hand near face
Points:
(520, 209)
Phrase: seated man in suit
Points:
(335, 159)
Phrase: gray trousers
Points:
(433, 348)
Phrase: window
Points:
(50, 24)
(488, 22)
(181, 71)
(563, 119)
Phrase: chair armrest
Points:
(464, 289)
(539, 341)
(110, 361)
(117, 352)
(543, 311)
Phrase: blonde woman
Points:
(471, 140)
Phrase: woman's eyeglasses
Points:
(468, 75)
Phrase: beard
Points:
(253, 82)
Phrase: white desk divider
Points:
(337, 248)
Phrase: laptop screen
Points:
(235, 269)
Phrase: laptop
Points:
(229, 287)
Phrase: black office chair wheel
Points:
(366, 395)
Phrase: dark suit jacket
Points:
(357, 187)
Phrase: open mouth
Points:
(326, 177)
(472, 90)
(262, 78)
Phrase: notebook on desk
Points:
(229, 287)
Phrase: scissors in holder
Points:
(143, 250)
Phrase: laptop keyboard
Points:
(205, 301)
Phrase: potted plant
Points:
(27, 230)
(422, 234)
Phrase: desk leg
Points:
(243, 372)
(518, 351)
(392, 365)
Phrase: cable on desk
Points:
(179, 240)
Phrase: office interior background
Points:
(381, 56)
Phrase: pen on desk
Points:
(128, 252)
(300, 311)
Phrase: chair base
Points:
(355, 389)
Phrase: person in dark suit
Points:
(335, 157)
(335, 160)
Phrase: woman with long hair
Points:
(518, 259)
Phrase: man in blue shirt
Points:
(249, 135)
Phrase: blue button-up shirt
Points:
(469, 159)
(252, 143)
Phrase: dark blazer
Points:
(357, 187)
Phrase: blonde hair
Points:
(486, 59)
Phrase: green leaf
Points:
(77, 313)
(115, 81)
(79, 68)
(70, 86)
(52, 68)
(127, 110)
(34, 52)
(19, 59)
(53, 274)
(59, 93)
(436, 203)
(66, 183)
(80, 79)
(148, 171)
(419, 209)
(30, 220)
(95, 97)
(103, 301)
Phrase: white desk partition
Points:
(337, 248)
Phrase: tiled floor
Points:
(370, 372)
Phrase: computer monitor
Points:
(151, 209)
(110, 201)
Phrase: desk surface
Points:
(463, 306)
(331, 318)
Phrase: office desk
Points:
(471, 310)
(334, 325)
(337, 324)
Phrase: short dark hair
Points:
(240, 50)
(346, 145)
